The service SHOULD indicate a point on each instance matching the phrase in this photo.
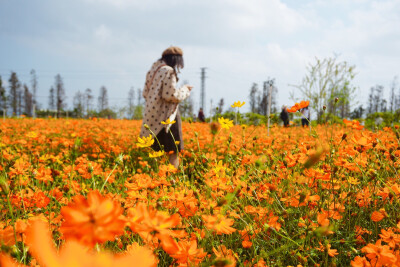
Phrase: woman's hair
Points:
(175, 62)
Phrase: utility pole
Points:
(271, 83)
(203, 89)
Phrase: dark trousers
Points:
(304, 122)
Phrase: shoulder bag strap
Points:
(154, 75)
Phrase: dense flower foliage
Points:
(91, 193)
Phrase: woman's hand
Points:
(189, 87)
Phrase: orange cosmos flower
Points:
(219, 223)
(92, 220)
(188, 254)
(298, 106)
(353, 124)
(44, 174)
(223, 254)
(75, 255)
(7, 261)
(379, 255)
(331, 252)
(143, 253)
(377, 216)
(148, 219)
(389, 237)
(360, 262)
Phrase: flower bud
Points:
(146, 126)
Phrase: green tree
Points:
(326, 80)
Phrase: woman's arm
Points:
(169, 91)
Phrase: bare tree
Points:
(393, 99)
(131, 103)
(79, 104)
(103, 99)
(28, 101)
(34, 85)
(3, 96)
(88, 100)
(376, 102)
(15, 87)
(20, 100)
(221, 104)
(186, 107)
(253, 97)
(139, 97)
(52, 99)
(60, 94)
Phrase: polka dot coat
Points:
(162, 97)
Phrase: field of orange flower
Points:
(89, 193)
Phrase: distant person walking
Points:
(201, 116)
(305, 119)
(285, 116)
(162, 103)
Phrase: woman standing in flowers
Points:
(161, 115)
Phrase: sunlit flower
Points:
(225, 256)
(188, 253)
(225, 123)
(219, 223)
(92, 220)
(74, 254)
(379, 255)
(148, 219)
(156, 154)
(377, 216)
(353, 124)
(145, 141)
(298, 106)
(168, 121)
(238, 104)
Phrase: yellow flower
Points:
(168, 121)
(225, 123)
(238, 104)
(353, 181)
(156, 154)
(32, 134)
(145, 141)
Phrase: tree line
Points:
(20, 99)
(328, 85)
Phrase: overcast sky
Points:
(91, 43)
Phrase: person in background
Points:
(162, 103)
(285, 116)
(305, 119)
(201, 116)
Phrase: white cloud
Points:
(102, 32)
(239, 41)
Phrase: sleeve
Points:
(170, 92)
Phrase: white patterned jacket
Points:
(162, 97)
